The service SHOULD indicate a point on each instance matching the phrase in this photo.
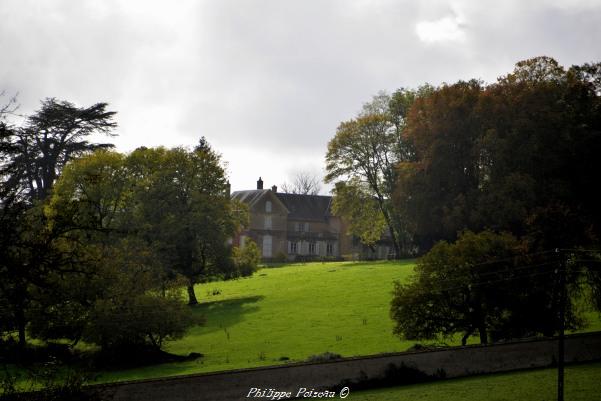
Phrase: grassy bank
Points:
(581, 383)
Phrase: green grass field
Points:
(581, 384)
(289, 313)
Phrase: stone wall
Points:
(452, 362)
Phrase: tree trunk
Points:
(483, 335)
(191, 295)
(20, 318)
(466, 336)
(395, 242)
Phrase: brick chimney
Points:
(260, 183)
(274, 188)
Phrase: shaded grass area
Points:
(288, 314)
(581, 383)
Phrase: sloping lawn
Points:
(287, 314)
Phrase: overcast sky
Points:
(268, 81)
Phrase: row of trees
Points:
(494, 183)
(516, 155)
(97, 245)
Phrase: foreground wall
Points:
(452, 362)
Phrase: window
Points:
(329, 249)
(292, 248)
(301, 227)
(267, 246)
(242, 241)
(312, 248)
(267, 222)
(268, 207)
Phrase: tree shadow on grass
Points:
(220, 315)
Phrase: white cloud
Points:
(446, 29)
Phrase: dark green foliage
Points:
(32, 156)
(483, 283)
(360, 210)
(324, 357)
(138, 321)
(145, 225)
(280, 257)
(99, 255)
(51, 137)
(246, 260)
(48, 382)
(394, 376)
(182, 210)
(591, 261)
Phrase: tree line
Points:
(472, 173)
(96, 245)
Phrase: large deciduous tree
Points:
(366, 150)
(124, 298)
(360, 210)
(434, 189)
(484, 283)
(183, 209)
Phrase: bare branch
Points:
(303, 183)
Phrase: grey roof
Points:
(306, 207)
(300, 207)
(250, 196)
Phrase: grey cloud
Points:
(268, 75)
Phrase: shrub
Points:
(326, 356)
(138, 321)
(280, 257)
(246, 259)
(48, 382)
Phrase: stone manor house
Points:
(300, 227)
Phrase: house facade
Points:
(299, 227)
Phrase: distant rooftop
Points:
(300, 207)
